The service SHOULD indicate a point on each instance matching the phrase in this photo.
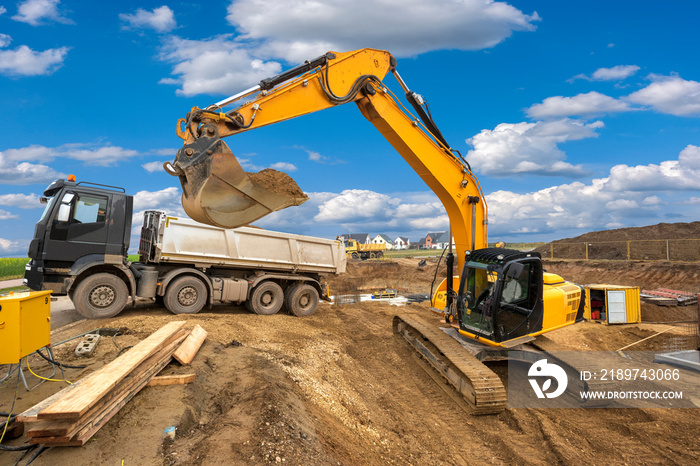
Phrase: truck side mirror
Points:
(64, 208)
(43, 200)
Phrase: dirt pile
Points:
(277, 182)
(652, 232)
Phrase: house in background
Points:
(443, 241)
(401, 242)
(431, 240)
(383, 239)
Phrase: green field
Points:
(12, 268)
(436, 252)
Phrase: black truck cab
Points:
(83, 223)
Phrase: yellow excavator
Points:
(496, 300)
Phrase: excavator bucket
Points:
(217, 191)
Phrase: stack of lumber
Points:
(73, 415)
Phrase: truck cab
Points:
(82, 224)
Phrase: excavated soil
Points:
(277, 182)
(338, 388)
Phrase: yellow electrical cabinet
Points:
(612, 304)
(25, 324)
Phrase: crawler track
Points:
(480, 387)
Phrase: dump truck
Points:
(357, 250)
(80, 249)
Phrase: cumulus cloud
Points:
(616, 73)
(3, 10)
(307, 28)
(603, 203)
(5, 40)
(529, 148)
(23, 201)
(152, 167)
(89, 154)
(11, 247)
(284, 167)
(670, 94)
(5, 215)
(38, 12)
(591, 103)
(304, 29)
(161, 19)
(12, 172)
(214, 66)
(24, 61)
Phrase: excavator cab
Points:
(500, 294)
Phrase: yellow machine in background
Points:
(25, 324)
(357, 250)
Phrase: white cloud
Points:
(669, 175)
(304, 29)
(5, 40)
(214, 66)
(161, 19)
(616, 73)
(155, 200)
(604, 203)
(152, 167)
(24, 61)
(528, 148)
(8, 247)
(24, 173)
(5, 215)
(89, 154)
(582, 104)
(23, 201)
(37, 12)
(670, 94)
(3, 10)
(284, 166)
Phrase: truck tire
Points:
(355, 255)
(301, 299)
(185, 295)
(380, 254)
(100, 296)
(266, 299)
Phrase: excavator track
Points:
(479, 386)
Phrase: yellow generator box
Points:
(612, 304)
(25, 324)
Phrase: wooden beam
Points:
(171, 380)
(96, 385)
(188, 350)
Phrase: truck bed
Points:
(166, 239)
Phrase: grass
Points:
(11, 268)
(396, 253)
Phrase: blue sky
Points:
(576, 116)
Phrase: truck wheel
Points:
(100, 296)
(355, 255)
(380, 254)
(301, 299)
(186, 295)
(266, 299)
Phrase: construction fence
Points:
(682, 250)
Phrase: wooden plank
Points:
(76, 403)
(127, 388)
(188, 350)
(171, 380)
(30, 415)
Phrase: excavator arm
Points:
(217, 191)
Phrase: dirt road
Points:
(338, 388)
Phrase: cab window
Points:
(90, 209)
